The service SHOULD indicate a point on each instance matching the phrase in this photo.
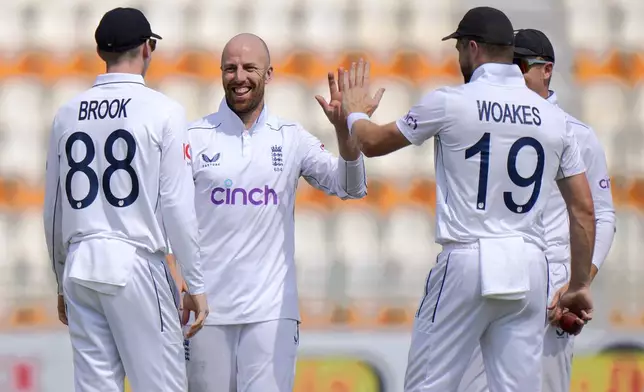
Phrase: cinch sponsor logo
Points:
(234, 196)
(604, 183)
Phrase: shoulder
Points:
(442, 95)
(208, 123)
(279, 124)
(583, 132)
(162, 101)
(199, 131)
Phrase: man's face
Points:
(245, 73)
(536, 72)
(466, 50)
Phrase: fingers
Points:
(352, 75)
(323, 103)
(586, 315)
(555, 316)
(341, 73)
(360, 73)
(333, 86)
(185, 316)
(555, 300)
(367, 73)
(345, 81)
(197, 325)
(379, 95)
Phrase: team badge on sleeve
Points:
(604, 183)
(186, 152)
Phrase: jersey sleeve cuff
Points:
(407, 132)
(196, 290)
(574, 172)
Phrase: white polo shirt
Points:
(498, 147)
(556, 215)
(117, 169)
(245, 183)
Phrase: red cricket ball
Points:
(569, 324)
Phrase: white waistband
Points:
(450, 246)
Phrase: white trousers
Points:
(257, 357)
(134, 332)
(453, 319)
(557, 349)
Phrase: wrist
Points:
(576, 285)
(353, 117)
(593, 272)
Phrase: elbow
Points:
(371, 150)
(367, 150)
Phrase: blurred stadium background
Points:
(361, 264)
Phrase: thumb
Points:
(555, 300)
(323, 103)
(185, 317)
(379, 95)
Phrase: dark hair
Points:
(113, 58)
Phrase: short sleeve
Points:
(425, 119)
(571, 162)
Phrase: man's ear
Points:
(548, 69)
(146, 50)
(269, 74)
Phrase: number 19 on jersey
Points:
(482, 147)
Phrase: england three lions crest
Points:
(277, 158)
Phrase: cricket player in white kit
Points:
(115, 173)
(498, 148)
(535, 56)
(246, 163)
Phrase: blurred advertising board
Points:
(333, 374)
(609, 372)
(19, 374)
(331, 361)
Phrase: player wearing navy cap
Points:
(535, 56)
(116, 170)
(499, 148)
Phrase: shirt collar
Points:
(118, 78)
(495, 73)
(232, 116)
(552, 97)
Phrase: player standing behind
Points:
(115, 172)
(246, 164)
(535, 56)
(498, 148)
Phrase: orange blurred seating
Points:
(592, 66)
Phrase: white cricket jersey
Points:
(245, 182)
(116, 170)
(555, 215)
(498, 147)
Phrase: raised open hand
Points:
(333, 108)
(355, 90)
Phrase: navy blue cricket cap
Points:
(122, 29)
(485, 25)
(533, 43)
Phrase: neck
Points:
(126, 68)
(251, 117)
(544, 92)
